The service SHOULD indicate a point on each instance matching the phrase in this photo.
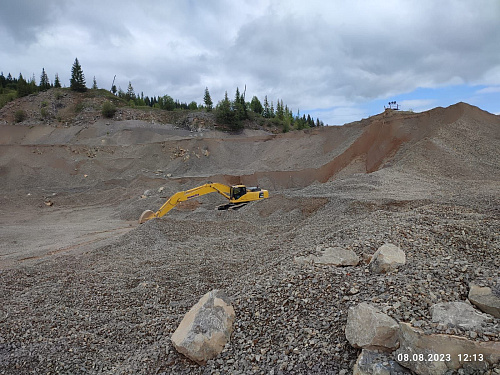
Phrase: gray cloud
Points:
(23, 19)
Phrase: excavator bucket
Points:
(146, 215)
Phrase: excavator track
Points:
(231, 206)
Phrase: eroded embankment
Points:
(291, 160)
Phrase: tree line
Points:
(232, 113)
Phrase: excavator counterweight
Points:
(237, 195)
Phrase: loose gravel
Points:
(113, 309)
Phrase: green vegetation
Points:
(79, 107)
(20, 115)
(108, 109)
(44, 113)
(234, 113)
(231, 113)
(207, 100)
(77, 81)
(57, 83)
(44, 81)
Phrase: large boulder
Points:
(371, 362)
(206, 328)
(336, 256)
(458, 314)
(388, 257)
(437, 354)
(369, 328)
(485, 299)
(330, 256)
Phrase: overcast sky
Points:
(339, 60)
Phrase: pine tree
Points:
(239, 106)
(266, 112)
(130, 95)
(22, 86)
(237, 95)
(256, 106)
(244, 106)
(44, 81)
(57, 83)
(279, 110)
(207, 100)
(77, 81)
(94, 84)
(32, 84)
(225, 114)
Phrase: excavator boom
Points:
(237, 195)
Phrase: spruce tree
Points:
(130, 95)
(225, 114)
(256, 106)
(44, 81)
(32, 84)
(57, 83)
(207, 100)
(266, 112)
(77, 81)
(94, 84)
(239, 106)
(22, 87)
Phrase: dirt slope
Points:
(459, 140)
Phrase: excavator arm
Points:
(182, 196)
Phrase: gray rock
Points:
(436, 354)
(369, 328)
(373, 362)
(337, 256)
(304, 260)
(485, 299)
(458, 314)
(206, 328)
(387, 258)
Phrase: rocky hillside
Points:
(63, 107)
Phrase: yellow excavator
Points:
(238, 196)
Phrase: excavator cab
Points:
(237, 191)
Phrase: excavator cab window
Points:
(237, 192)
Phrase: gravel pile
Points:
(113, 310)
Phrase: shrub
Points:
(108, 109)
(20, 115)
(44, 113)
(79, 107)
